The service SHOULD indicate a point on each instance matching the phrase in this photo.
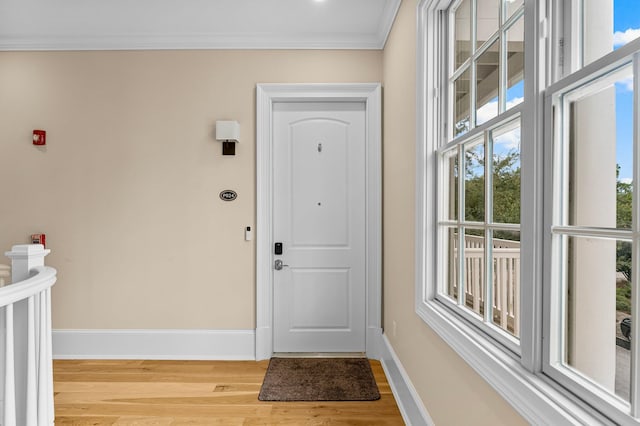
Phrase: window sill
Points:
(529, 394)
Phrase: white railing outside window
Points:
(506, 278)
(26, 371)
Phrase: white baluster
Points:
(516, 310)
(31, 414)
(9, 372)
(504, 284)
(477, 283)
(45, 377)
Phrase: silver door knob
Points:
(279, 265)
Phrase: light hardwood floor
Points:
(196, 392)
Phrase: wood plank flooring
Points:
(196, 393)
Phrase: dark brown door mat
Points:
(319, 379)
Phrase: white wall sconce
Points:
(229, 133)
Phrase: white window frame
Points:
(604, 401)
(480, 135)
(518, 379)
(475, 132)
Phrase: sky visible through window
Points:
(626, 27)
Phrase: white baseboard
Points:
(154, 344)
(411, 407)
(218, 345)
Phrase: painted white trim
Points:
(374, 337)
(537, 399)
(386, 21)
(266, 96)
(409, 402)
(191, 42)
(154, 344)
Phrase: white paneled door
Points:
(319, 217)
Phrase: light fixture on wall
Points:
(229, 133)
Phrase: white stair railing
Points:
(26, 370)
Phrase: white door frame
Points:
(266, 96)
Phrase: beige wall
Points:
(451, 390)
(127, 188)
(127, 192)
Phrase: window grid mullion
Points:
(585, 231)
(488, 235)
(445, 81)
(577, 45)
(502, 66)
(460, 229)
(472, 65)
(562, 217)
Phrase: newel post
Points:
(24, 258)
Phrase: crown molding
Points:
(188, 42)
(52, 38)
(386, 22)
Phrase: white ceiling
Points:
(195, 24)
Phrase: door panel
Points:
(319, 177)
(320, 299)
(319, 216)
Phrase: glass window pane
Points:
(462, 103)
(600, 168)
(512, 6)
(450, 185)
(506, 173)
(450, 259)
(626, 21)
(474, 261)
(488, 21)
(474, 182)
(607, 28)
(462, 33)
(487, 80)
(515, 63)
(598, 302)
(506, 281)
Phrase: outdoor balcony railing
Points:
(505, 274)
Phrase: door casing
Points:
(266, 96)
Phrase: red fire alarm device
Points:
(39, 239)
(39, 137)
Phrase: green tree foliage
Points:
(624, 217)
(474, 186)
(624, 197)
(506, 188)
(623, 297)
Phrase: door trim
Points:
(266, 96)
